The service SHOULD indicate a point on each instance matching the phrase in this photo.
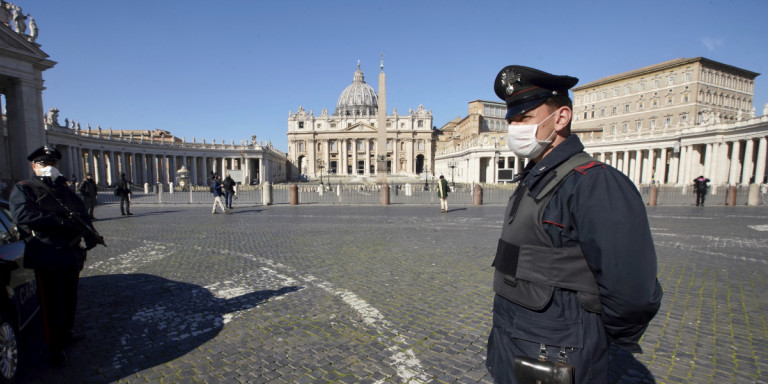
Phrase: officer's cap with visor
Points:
(524, 88)
(45, 154)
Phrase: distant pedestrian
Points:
(123, 191)
(216, 188)
(700, 186)
(89, 192)
(442, 192)
(228, 185)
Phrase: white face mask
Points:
(49, 171)
(522, 141)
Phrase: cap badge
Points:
(508, 78)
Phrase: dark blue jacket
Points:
(600, 210)
(56, 243)
(217, 189)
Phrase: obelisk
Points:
(381, 126)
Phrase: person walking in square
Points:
(575, 266)
(217, 194)
(228, 186)
(442, 193)
(89, 192)
(123, 192)
(701, 187)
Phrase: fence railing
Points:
(401, 194)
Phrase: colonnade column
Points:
(746, 168)
(761, 160)
(367, 170)
(354, 156)
(735, 163)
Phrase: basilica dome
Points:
(358, 98)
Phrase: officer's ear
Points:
(563, 120)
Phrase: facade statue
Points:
(5, 13)
(19, 20)
(33, 30)
(53, 117)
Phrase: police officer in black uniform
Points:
(54, 222)
(575, 267)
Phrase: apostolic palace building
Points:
(665, 123)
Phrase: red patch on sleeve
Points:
(583, 168)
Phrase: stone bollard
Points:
(146, 188)
(408, 189)
(730, 197)
(294, 192)
(477, 195)
(170, 188)
(385, 194)
(266, 193)
(753, 198)
(654, 195)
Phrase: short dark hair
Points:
(561, 101)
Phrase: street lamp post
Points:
(321, 166)
(452, 166)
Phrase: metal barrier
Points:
(403, 194)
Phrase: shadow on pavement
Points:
(133, 322)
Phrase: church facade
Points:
(345, 144)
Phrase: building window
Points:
(670, 80)
(613, 128)
(669, 101)
(421, 145)
(638, 126)
(602, 95)
(656, 83)
(642, 86)
(626, 108)
(602, 112)
(624, 127)
(615, 92)
(333, 146)
(652, 124)
(614, 110)
(628, 89)
(389, 145)
(687, 76)
(667, 121)
(585, 115)
(640, 106)
(655, 103)
(333, 125)
(685, 98)
(301, 124)
(360, 146)
(684, 118)
(301, 146)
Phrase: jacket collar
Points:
(533, 172)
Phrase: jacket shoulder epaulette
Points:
(590, 165)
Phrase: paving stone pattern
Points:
(374, 294)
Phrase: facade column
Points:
(112, 168)
(661, 167)
(748, 166)
(674, 167)
(761, 160)
(367, 170)
(687, 165)
(102, 167)
(649, 166)
(708, 160)
(733, 177)
(625, 163)
(355, 143)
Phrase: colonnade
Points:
(736, 162)
(157, 162)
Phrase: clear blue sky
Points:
(232, 68)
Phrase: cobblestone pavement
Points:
(372, 294)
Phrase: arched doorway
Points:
(419, 164)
